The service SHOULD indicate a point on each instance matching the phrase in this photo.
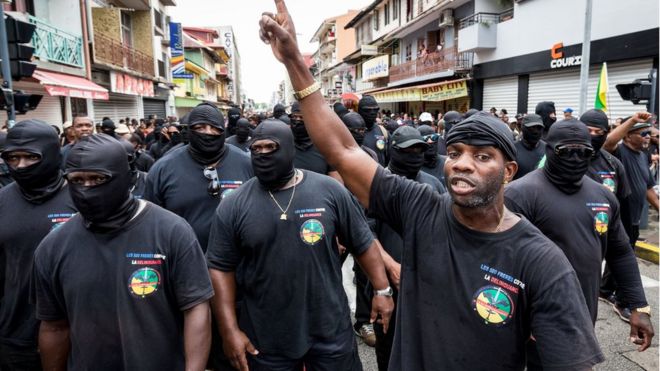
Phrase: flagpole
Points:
(586, 53)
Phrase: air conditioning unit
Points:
(447, 18)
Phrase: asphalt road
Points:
(612, 333)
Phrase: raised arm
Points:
(325, 128)
(616, 135)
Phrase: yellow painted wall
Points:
(143, 32)
(107, 22)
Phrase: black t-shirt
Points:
(528, 159)
(609, 171)
(375, 140)
(144, 162)
(438, 171)
(22, 227)
(639, 179)
(469, 300)
(311, 159)
(233, 140)
(585, 225)
(177, 183)
(140, 185)
(290, 278)
(123, 293)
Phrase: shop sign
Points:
(376, 68)
(127, 84)
(431, 93)
(558, 59)
(177, 61)
(368, 50)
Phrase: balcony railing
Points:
(443, 60)
(54, 45)
(486, 18)
(107, 50)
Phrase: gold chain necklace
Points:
(283, 216)
(499, 225)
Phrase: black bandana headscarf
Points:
(274, 169)
(206, 148)
(566, 174)
(109, 206)
(597, 118)
(483, 129)
(40, 181)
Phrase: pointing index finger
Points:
(281, 7)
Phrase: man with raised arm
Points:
(475, 275)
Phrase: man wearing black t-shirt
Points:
(307, 156)
(138, 178)
(36, 203)
(434, 163)
(375, 137)
(530, 148)
(241, 139)
(475, 277)
(281, 231)
(122, 285)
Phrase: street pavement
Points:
(612, 332)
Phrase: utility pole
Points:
(6, 69)
(586, 53)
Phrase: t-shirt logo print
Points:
(312, 231)
(493, 304)
(601, 220)
(380, 142)
(144, 282)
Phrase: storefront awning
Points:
(59, 84)
(435, 92)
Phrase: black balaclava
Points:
(531, 138)
(566, 174)
(131, 154)
(340, 109)
(278, 111)
(242, 130)
(402, 163)
(300, 135)
(544, 109)
(232, 118)
(109, 206)
(470, 112)
(108, 127)
(353, 120)
(597, 118)
(184, 129)
(368, 109)
(274, 169)
(431, 153)
(451, 118)
(40, 181)
(206, 148)
(391, 126)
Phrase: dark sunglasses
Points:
(433, 137)
(358, 130)
(211, 173)
(569, 150)
(645, 133)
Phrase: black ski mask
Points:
(108, 206)
(565, 173)
(233, 115)
(340, 109)
(598, 119)
(108, 127)
(431, 153)
(278, 111)
(356, 126)
(544, 109)
(532, 130)
(131, 154)
(403, 161)
(451, 118)
(274, 169)
(300, 135)
(40, 181)
(242, 130)
(368, 109)
(206, 148)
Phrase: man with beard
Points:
(91, 318)
(583, 219)
(241, 138)
(475, 275)
(307, 156)
(375, 137)
(530, 148)
(547, 112)
(36, 203)
(281, 230)
(434, 163)
(192, 180)
(233, 115)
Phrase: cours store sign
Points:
(425, 93)
(376, 68)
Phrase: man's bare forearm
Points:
(372, 263)
(224, 301)
(197, 336)
(54, 345)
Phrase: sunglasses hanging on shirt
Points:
(211, 173)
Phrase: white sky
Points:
(261, 71)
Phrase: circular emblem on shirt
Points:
(601, 220)
(144, 282)
(609, 184)
(227, 192)
(493, 304)
(380, 144)
(311, 231)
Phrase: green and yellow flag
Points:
(602, 89)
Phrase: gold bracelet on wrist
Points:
(299, 95)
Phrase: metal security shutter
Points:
(154, 107)
(563, 87)
(48, 110)
(117, 107)
(501, 93)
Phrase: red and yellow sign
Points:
(426, 93)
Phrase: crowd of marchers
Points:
(211, 243)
